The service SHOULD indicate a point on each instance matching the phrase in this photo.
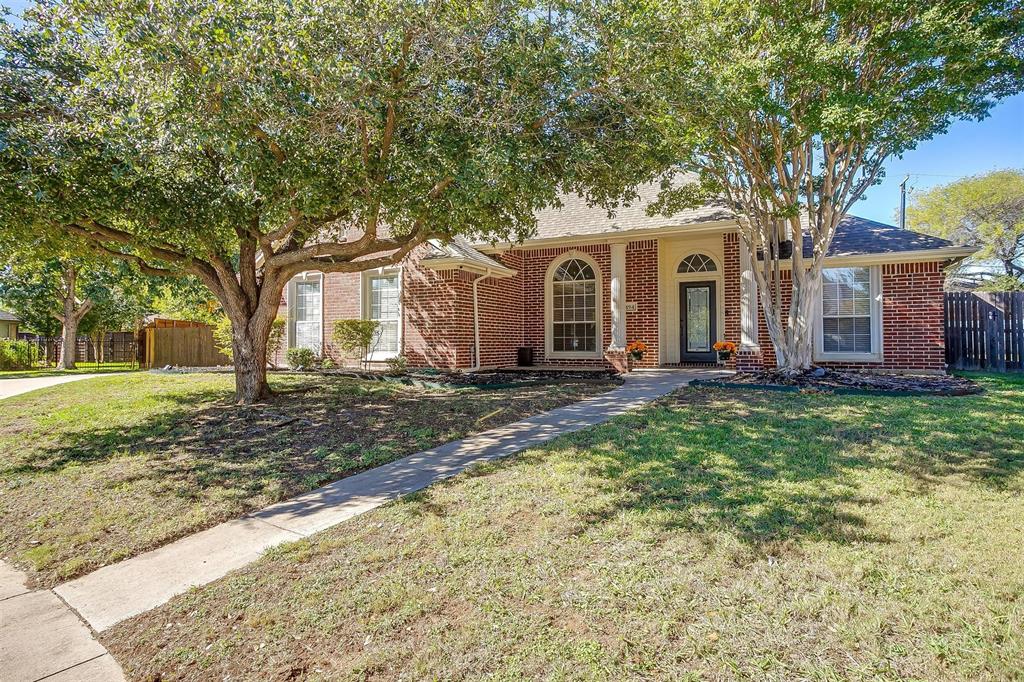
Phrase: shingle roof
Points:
(575, 217)
(460, 249)
(8, 317)
(859, 236)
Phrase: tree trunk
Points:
(73, 312)
(792, 335)
(69, 346)
(249, 346)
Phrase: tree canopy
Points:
(986, 211)
(788, 110)
(246, 141)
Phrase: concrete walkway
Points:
(41, 638)
(119, 591)
(13, 387)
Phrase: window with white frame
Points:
(849, 317)
(574, 308)
(382, 301)
(306, 316)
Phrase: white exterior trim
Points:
(289, 299)
(877, 353)
(364, 307)
(623, 236)
(549, 316)
(618, 296)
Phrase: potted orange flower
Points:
(636, 350)
(725, 349)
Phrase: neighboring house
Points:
(8, 325)
(586, 284)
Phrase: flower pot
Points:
(636, 357)
(723, 356)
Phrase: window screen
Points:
(846, 310)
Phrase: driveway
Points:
(13, 387)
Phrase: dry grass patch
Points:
(96, 471)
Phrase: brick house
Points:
(586, 284)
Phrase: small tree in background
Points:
(356, 337)
(986, 211)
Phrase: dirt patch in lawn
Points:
(822, 379)
(109, 468)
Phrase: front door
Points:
(698, 323)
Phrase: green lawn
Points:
(98, 470)
(716, 535)
(81, 368)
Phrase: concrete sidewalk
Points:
(136, 585)
(12, 387)
(41, 638)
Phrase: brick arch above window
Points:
(573, 307)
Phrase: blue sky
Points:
(968, 148)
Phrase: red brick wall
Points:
(912, 314)
(501, 314)
(731, 289)
(437, 313)
(642, 289)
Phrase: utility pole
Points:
(903, 203)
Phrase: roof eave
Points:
(454, 263)
(611, 237)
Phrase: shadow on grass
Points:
(767, 467)
(312, 431)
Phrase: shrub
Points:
(327, 364)
(222, 338)
(355, 336)
(397, 365)
(301, 357)
(17, 354)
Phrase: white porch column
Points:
(748, 301)
(618, 297)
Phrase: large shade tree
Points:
(986, 211)
(246, 141)
(789, 109)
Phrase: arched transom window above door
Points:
(574, 308)
(697, 262)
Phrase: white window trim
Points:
(877, 353)
(289, 300)
(364, 310)
(549, 325)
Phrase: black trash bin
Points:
(525, 357)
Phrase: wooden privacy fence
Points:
(182, 347)
(985, 331)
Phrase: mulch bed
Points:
(844, 381)
(431, 378)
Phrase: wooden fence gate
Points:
(985, 331)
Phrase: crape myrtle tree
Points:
(788, 110)
(246, 141)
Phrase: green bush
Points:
(301, 357)
(355, 336)
(17, 354)
(222, 337)
(397, 366)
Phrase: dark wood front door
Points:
(698, 321)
